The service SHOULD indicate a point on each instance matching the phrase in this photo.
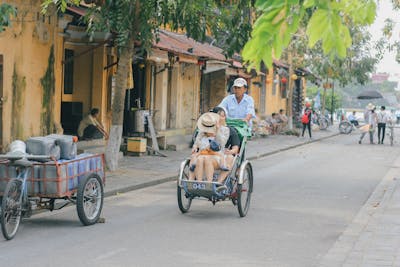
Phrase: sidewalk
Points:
(373, 237)
(139, 172)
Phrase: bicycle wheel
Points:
(244, 191)
(184, 202)
(11, 209)
(345, 127)
(89, 199)
(323, 123)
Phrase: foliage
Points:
(388, 42)
(327, 25)
(354, 68)
(140, 20)
(6, 11)
(337, 97)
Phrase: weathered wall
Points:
(26, 48)
(214, 89)
(160, 97)
(255, 91)
(189, 91)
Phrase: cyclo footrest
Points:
(201, 188)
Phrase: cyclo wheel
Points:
(244, 191)
(184, 202)
(89, 199)
(11, 208)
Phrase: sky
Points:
(385, 10)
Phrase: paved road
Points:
(303, 200)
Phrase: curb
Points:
(172, 178)
(346, 250)
(139, 186)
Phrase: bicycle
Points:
(79, 181)
(346, 127)
(321, 121)
(15, 204)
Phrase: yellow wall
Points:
(274, 100)
(25, 47)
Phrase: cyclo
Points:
(239, 182)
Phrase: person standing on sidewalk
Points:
(383, 118)
(239, 105)
(306, 119)
(371, 119)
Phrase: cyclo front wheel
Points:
(244, 191)
(11, 208)
(184, 202)
(89, 199)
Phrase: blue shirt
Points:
(351, 117)
(235, 110)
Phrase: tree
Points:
(137, 22)
(6, 11)
(279, 21)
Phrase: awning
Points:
(215, 65)
(237, 72)
(158, 56)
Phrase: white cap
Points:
(240, 82)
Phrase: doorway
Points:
(135, 99)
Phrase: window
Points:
(68, 72)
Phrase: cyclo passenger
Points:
(209, 164)
(209, 141)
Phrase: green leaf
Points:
(317, 26)
(309, 3)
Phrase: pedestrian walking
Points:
(383, 118)
(306, 119)
(370, 118)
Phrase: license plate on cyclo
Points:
(197, 186)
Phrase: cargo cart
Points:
(27, 184)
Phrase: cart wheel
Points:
(89, 199)
(183, 201)
(244, 191)
(11, 208)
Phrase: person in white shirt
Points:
(352, 118)
(90, 128)
(239, 105)
(383, 118)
